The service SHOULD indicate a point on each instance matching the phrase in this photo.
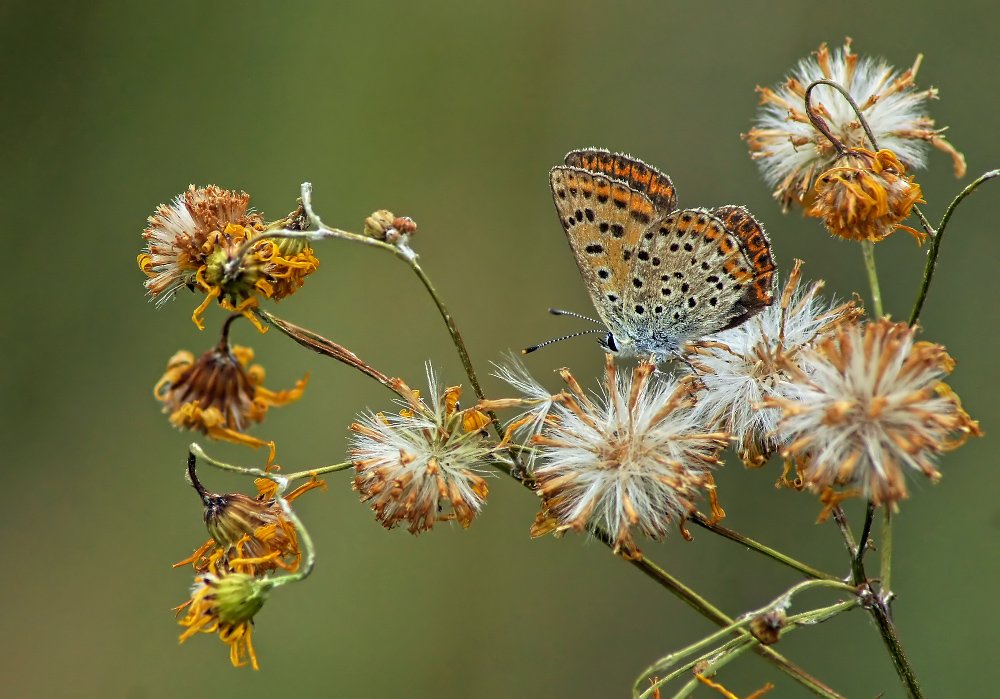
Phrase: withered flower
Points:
(792, 153)
(866, 196)
(221, 393)
(209, 240)
(869, 405)
(412, 465)
(739, 368)
(634, 460)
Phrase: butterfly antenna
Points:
(561, 312)
(529, 350)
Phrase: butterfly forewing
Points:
(603, 220)
(632, 171)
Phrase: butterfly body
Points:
(658, 276)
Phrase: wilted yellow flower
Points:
(208, 240)
(225, 602)
(220, 393)
(866, 196)
(254, 529)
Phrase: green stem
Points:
(868, 249)
(932, 254)
(196, 449)
(732, 535)
(309, 560)
(710, 612)
(899, 660)
(885, 565)
(812, 617)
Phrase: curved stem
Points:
(820, 123)
(195, 450)
(773, 554)
(309, 560)
(932, 254)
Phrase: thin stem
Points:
(192, 474)
(858, 575)
(868, 249)
(706, 609)
(309, 560)
(820, 123)
(732, 535)
(812, 617)
(195, 450)
(899, 660)
(885, 566)
(932, 254)
(866, 531)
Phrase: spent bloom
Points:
(209, 240)
(633, 460)
(741, 367)
(536, 404)
(220, 393)
(253, 529)
(225, 601)
(866, 196)
(792, 153)
(870, 405)
(412, 465)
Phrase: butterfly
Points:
(657, 275)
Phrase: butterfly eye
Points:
(610, 343)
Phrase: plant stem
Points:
(885, 565)
(899, 660)
(197, 451)
(932, 254)
(706, 609)
(868, 249)
(732, 535)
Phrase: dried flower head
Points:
(225, 602)
(254, 529)
(870, 404)
(739, 368)
(791, 152)
(866, 196)
(634, 460)
(220, 393)
(535, 403)
(209, 240)
(412, 465)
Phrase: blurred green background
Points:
(451, 113)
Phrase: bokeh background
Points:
(451, 113)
